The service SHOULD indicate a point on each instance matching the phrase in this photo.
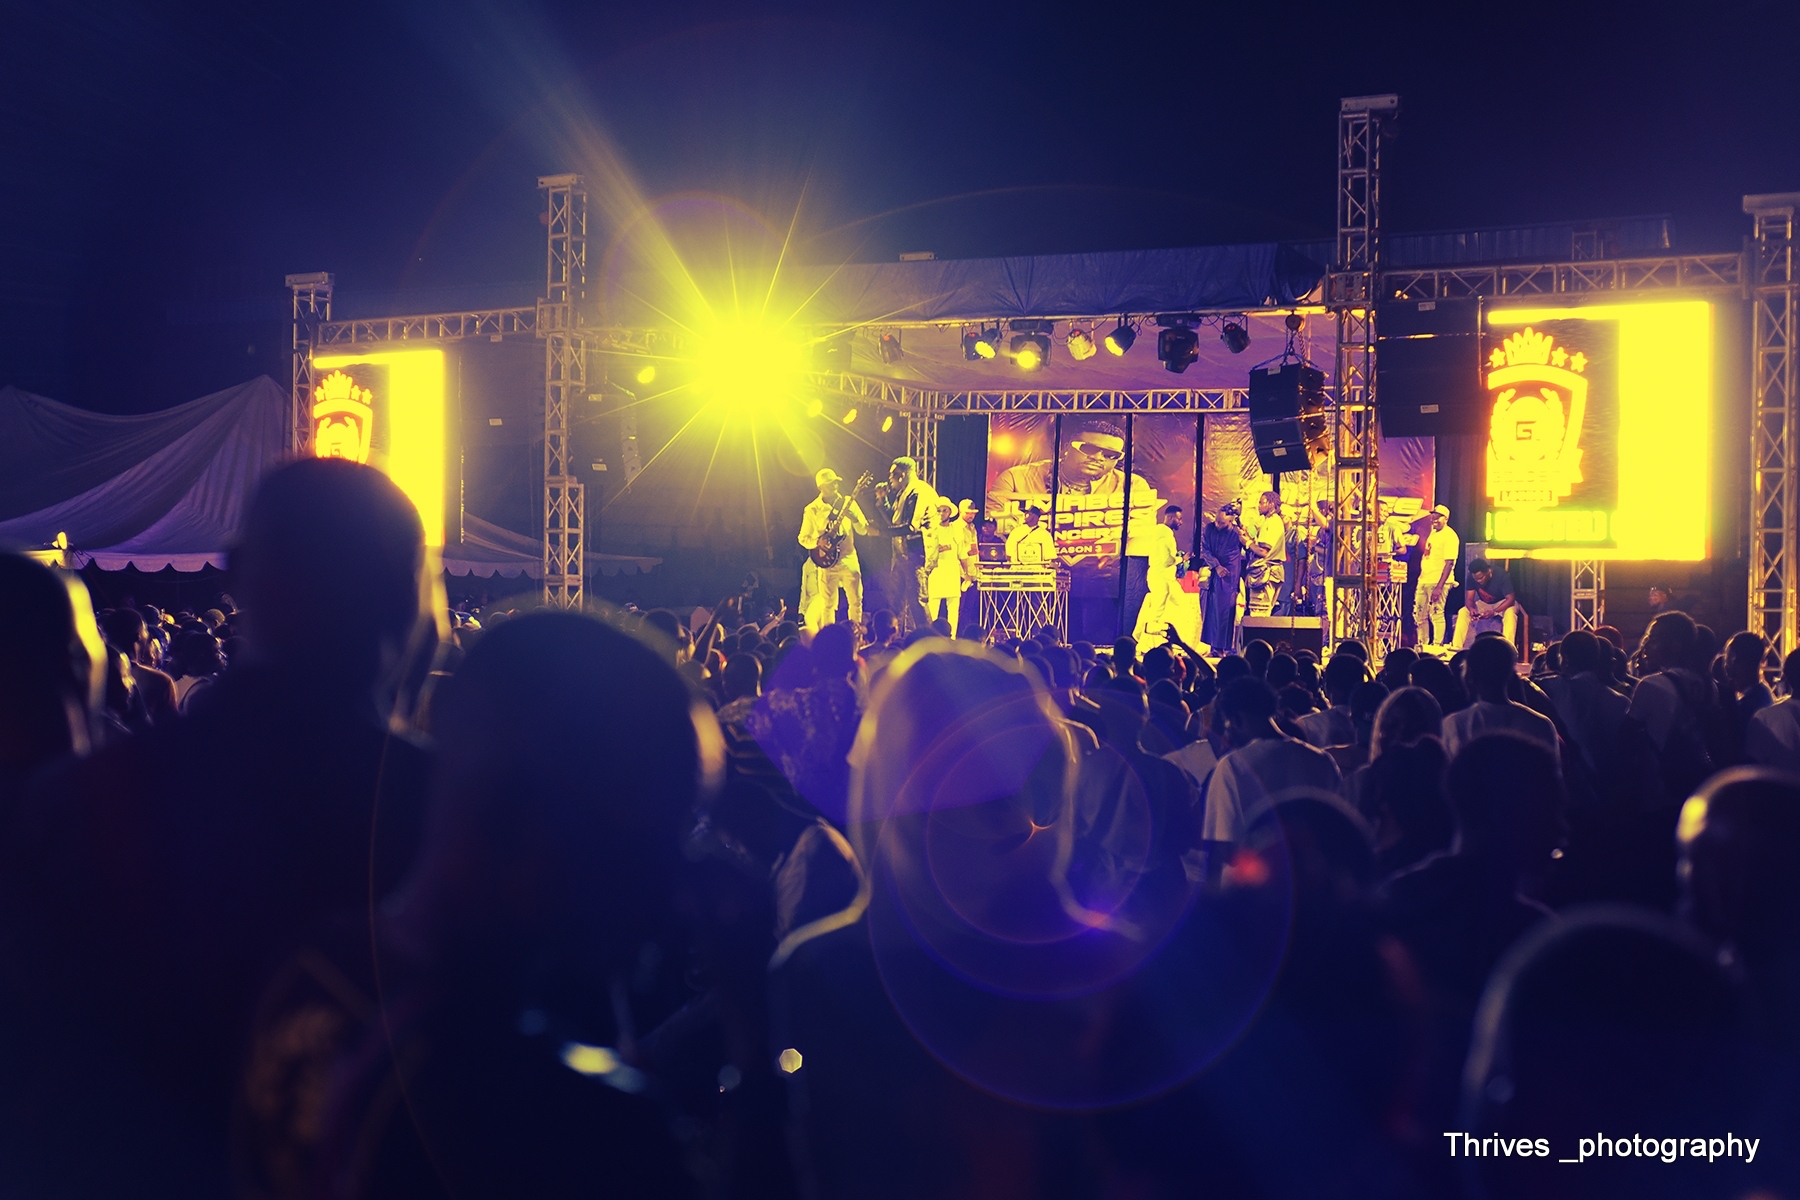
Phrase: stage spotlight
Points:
(748, 368)
(1120, 339)
(1177, 348)
(814, 407)
(849, 416)
(888, 346)
(1081, 345)
(1235, 337)
(647, 375)
(887, 422)
(987, 343)
(971, 343)
(1030, 350)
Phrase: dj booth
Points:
(1017, 601)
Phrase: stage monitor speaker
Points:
(1278, 415)
(1428, 368)
(1286, 633)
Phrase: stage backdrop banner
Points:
(1084, 457)
(1408, 471)
(1163, 450)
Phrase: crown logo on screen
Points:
(1529, 348)
(343, 419)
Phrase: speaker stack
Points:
(1288, 416)
(1428, 368)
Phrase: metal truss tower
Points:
(1587, 593)
(1774, 287)
(565, 381)
(312, 306)
(1351, 292)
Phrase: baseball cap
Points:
(966, 507)
(1442, 508)
(826, 475)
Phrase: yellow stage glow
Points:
(814, 407)
(887, 422)
(748, 367)
(1665, 387)
(413, 409)
(647, 375)
(1029, 357)
(850, 416)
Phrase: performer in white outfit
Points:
(1437, 574)
(846, 573)
(1265, 555)
(1165, 556)
(946, 566)
(1030, 544)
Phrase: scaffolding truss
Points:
(565, 381)
(1774, 287)
(1350, 293)
(1587, 594)
(311, 312)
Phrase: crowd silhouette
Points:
(338, 894)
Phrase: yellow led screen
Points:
(387, 409)
(1600, 431)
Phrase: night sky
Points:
(162, 166)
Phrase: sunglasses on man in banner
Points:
(1096, 451)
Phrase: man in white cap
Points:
(1437, 573)
(1030, 544)
(817, 529)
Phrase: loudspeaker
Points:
(1281, 409)
(1286, 633)
(1428, 368)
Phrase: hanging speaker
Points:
(1277, 396)
(1428, 368)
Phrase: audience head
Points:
(1342, 676)
(1232, 668)
(1246, 711)
(1790, 673)
(1743, 659)
(834, 653)
(883, 625)
(1293, 701)
(1492, 666)
(532, 856)
(1405, 716)
(52, 665)
(124, 631)
(1325, 846)
(742, 676)
(1609, 1019)
(1125, 654)
(1737, 837)
(1353, 648)
(1436, 677)
(1507, 794)
(196, 654)
(1158, 663)
(1669, 643)
(1365, 703)
(1407, 797)
(1258, 653)
(1581, 651)
(1281, 671)
(326, 535)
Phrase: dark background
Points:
(165, 165)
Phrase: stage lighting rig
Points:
(1120, 339)
(1081, 345)
(1235, 337)
(888, 346)
(1177, 345)
(647, 374)
(982, 345)
(849, 415)
(887, 422)
(1031, 343)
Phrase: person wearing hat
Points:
(1437, 574)
(1222, 549)
(909, 509)
(947, 556)
(1030, 544)
(820, 606)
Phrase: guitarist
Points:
(833, 514)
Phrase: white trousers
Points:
(823, 608)
(946, 597)
(1153, 618)
(1509, 627)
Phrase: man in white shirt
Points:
(1333, 727)
(1164, 555)
(846, 574)
(1030, 544)
(1260, 766)
(1490, 668)
(1265, 553)
(1774, 736)
(1437, 572)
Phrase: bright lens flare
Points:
(749, 368)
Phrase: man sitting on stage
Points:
(1488, 604)
(1030, 544)
(1165, 555)
(846, 573)
(1265, 553)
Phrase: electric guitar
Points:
(833, 545)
